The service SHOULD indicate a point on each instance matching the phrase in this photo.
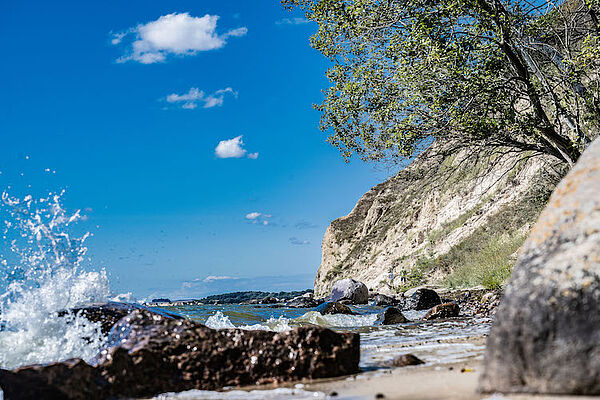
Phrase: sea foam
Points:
(41, 263)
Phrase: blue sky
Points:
(184, 130)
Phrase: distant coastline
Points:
(248, 297)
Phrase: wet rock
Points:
(158, 355)
(381, 300)
(333, 307)
(349, 289)
(302, 302)
(406, 360)
(422, 299)
(446, 310)
(546, 333)
(68, 380)
(391, 316)
(269, 300)
(108, 314)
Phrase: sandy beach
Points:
(448, 382)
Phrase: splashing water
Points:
(42, 275)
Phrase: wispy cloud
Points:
(233, 148)
(259, 218)
(292, 21)
(172, 34)
(211, 278)
(194, 96)
(305, 225)
(297, 242)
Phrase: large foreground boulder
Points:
(109, 313)
(546, 334)
(350, 289)
(157, 354)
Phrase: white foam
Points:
(46, 278)
(219, 321)
(279, 394)
(337, 320)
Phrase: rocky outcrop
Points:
(546, 333)
(437, 204)
(157, 355)
(351, 290)
(446, 310)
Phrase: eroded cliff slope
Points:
(456, 219)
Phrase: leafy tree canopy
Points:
(516, 73)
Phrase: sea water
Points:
(45, 272)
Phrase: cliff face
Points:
(454, 219)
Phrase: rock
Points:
(422, 299)
(446, 310)
(391, 316)
(269, 300)
(302, 302)
(382, 300)
(110, 313)
(546, 333)
(406, 360)
(158, 355)
(333, 307)
(349, 289)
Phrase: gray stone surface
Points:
(350, 289)
(546, 334)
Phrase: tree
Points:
(508, 73)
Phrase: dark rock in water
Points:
(446, 310)
(349, 289)
(546, 332)
(164, 355)
(269, 300)
(391, 316)
(302, 302)
(109, 313)
(333, 307)
(382, 300)
(422, 299)
(406, 360)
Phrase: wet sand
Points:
(419, 383)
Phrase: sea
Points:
(45, 270)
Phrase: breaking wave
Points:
(42, 278)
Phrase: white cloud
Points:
(298, 242)
(258, 218)
(178, 34)
(292, 21)
(212, 278)
(253, 215)
(194, 96)
(233, 148)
